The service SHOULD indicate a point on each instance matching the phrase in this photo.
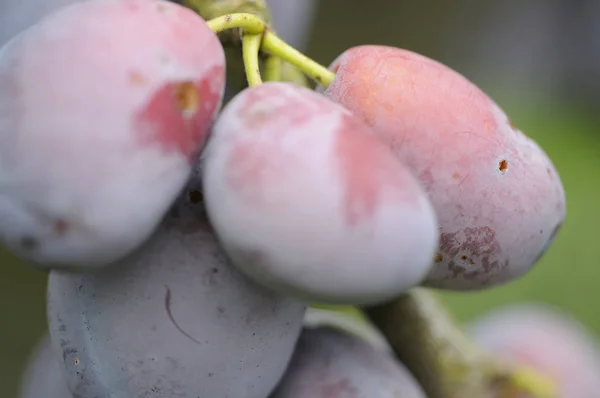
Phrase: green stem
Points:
(250, 49)
(251, 24)
(273, 69)
(429, 342)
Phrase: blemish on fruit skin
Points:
(455, 176)
(172, 319)
(173, 119)
(503, 165)
(482, 246)
(29, 243)
(186, 96)
(439, 258)
(136, 78)
(61, 227)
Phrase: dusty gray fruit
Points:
(42, 376)
(330, 363)
(172, 320)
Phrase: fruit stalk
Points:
(272, 45)
(446, 363)
(210, 9)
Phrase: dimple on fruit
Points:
(307, 201)
(104, 109)
(174, 319)
(497, 195)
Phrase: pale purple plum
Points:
(42, 376)
(544, 339)
(497, 195)
(105, 106)
(173, 319)
(307, 201)
(329, 363)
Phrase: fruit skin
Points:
(330, 363)
(16, 16)
(497, 195)
(307, 201)
(42, 376)
(361, 328)
(96, 145)
(173, 319)
(545, 339)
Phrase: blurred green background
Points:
(561, 117)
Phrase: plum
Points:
(497, 195)
(101, 102)
(306, 200)
(330, 363)
(173, 319)
(545, 339)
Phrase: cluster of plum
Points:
(185, 238)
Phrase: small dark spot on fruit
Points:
(464, 258)
(210, 374)
(136, 78)
(29, 243)
(61, 226)
(76, 361)
(503, 165)
(455, 176)
(195, 196)
(215, 270)
(221, 309)
(439, 258)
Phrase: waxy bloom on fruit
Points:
(306, 200)
(105, 106)
(497, 195)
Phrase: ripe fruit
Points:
(329, 363)
(42, 376)
(497, 195)
(174, 319)
(104, 107)
(305, 199)
(546, 340)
